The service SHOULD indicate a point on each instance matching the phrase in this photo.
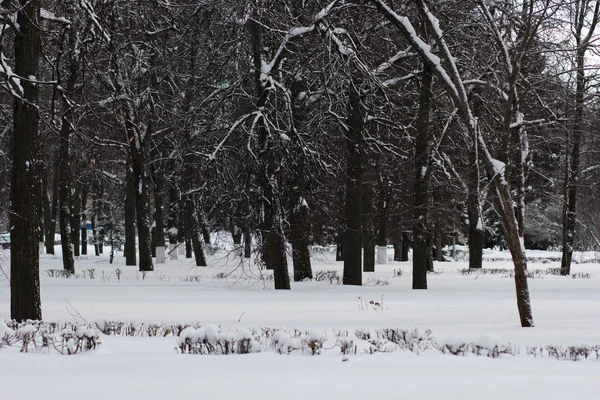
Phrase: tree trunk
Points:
(193, 231)
(188, 248)
(572, 182)
(429, 253)
(353, 208)
(339, 248)
(25, 300)
(159, 228)
(95, 236)
(64, 193)
(382, 250)
(300, 238)
(236, 235)
(475, 232)
(142, 212)
(439, 242)
(421, 195)
(76, 219)
(84, 242)
(397, 238)
(206, 234)
(247, 242)
(368, 226)
(476, 242)
(173, 222)
(40, 204)
(130, 253)
(405, 246)
(51, 212)
(274, 245)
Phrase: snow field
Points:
(479, 308)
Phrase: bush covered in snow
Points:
(38, 336)
(141, 329)
(211, 339)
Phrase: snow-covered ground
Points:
(231, 294)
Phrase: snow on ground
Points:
(566, 311)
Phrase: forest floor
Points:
(233, 295)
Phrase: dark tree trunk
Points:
(25, 301)
(95, 236)
(236, 234)
(353, 207)
(339, 248)
(193, 231)
(368, 226)
(141, 192)
(405, 246)
(64, 193)
(273, 239)
(84, 242)
(76, 219)
(130, 253)
(98, 218)
(173, 222)
(421, 194)
(206, 234)
(382, 250)
(429, 253)
(40, 204)
(476, 242)
(142, 212)
(153, 241)
(159, 227)
(397, 238)
(572, 174)
(476, 234)
(439, 242)
(65, 179)
(247, 242)
(50, 214)
(300, 238)
(188, 248)
(300, 224)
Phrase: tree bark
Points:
(193, 232)
(405, 246)
(475, 232)
(572, 173)
(274, 244)
(300, 238)
(76, 219)
(64, 193)
(353, 206)
(142, 212)
(130, 253)
(247, 242)
(339, 248)
(382, 250)
(173, 222)
(439, 242)
(84, 242)
(159, 228)
(51, 212)
(236, 235)
(368, 225)
(421, 194)
(25, 298)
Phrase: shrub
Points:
(40, 336)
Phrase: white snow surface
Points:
(479, 308)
